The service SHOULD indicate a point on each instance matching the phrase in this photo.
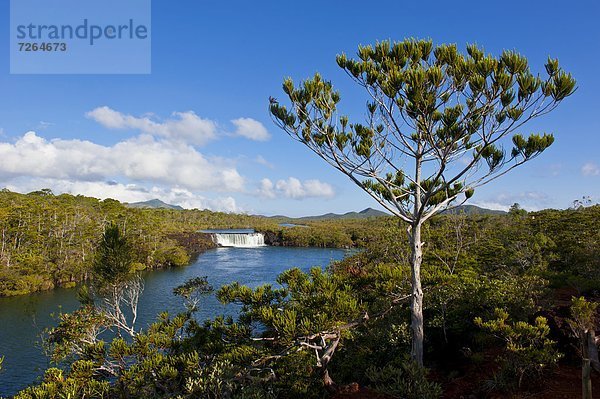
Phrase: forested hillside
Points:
(49, 241)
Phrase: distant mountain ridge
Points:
(364, 214)
(473, 210)
(374, 213)
(153, 204)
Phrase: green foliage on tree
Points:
(516, 210)
(583, 325)
(114, 259)
(192, 290)
(176, 356)
(583, 315)
(75, 333)
(116, 284)
(78, 384)
(529, 350)
(457, 118)
(576, 240)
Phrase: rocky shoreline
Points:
(194, 243)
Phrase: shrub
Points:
(404, 379)
(528, 352)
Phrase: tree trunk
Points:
(593, 350)
(586, 368)
(416, 304)
(330, 385)
(586, 381)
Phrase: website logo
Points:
(80, 37)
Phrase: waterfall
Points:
(247, 240)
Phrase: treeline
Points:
(339, 233)
(49, 241)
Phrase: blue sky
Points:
(196, 131)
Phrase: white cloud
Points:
(590, 169)
(126, 193)
(186, 126)
(490, 205)
(291, 188)
(262, 161)
(266, 189)
(529, 200)
(226, 204)
(295, 189)
(316, 188)
(191, 200)
(138, 159)
(250, 129)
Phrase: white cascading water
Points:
(248, 240)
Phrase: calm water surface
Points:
(22, 319)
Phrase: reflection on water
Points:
(22, 319)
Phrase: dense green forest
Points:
(50, 241)
(511, 301)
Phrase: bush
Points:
(169, 254)
(528, 352)
(405, 380)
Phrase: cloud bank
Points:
(185, 126)
(295, 189)
(160, 160)
(127, 193)
(139, 159)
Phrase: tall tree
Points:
(451, 115)
(116, 282)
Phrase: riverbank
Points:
(49, 241)
(24, 318)
(177, 250)
(194, 243)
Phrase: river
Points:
(23, 318)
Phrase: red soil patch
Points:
(354, 391)
(471, 377)
(565, 383)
